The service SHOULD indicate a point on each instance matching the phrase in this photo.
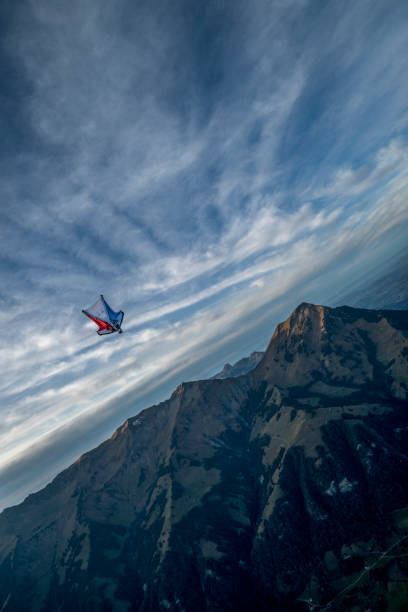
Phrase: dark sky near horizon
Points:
(206, 166)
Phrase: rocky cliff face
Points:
(283, 489)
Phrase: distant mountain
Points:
(282, 489)
(243, 366)
(388, 290)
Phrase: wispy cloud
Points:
(348, 182)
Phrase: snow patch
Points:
(137, 422)
(332, 490)
(345, 486)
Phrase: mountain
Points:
(243, 366)
(282, 489)
(386, 289)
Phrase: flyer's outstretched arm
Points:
(103, 326)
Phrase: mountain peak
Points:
(243, 366)
(338, 345)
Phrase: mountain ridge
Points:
(242, 366)
(211, 490)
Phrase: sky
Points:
(207, 166)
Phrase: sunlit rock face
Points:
(283, 489)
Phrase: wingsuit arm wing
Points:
(104, 327)
(120, 317)
(113, 316)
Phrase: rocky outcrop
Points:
(282, 489)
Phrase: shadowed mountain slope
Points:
(281, 489)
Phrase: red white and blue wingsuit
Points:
(106, 319)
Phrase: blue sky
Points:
(206, 166)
